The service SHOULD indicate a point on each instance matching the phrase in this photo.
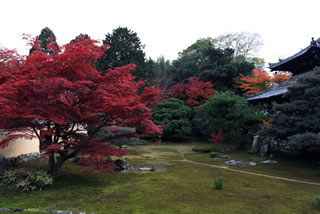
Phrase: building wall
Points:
(19, 146)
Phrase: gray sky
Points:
(166, 27)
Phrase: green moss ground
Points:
(181, 188)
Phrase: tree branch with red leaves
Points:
(260, 81)
(54, 93)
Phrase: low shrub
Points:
(153, 168)
(22, 180)
(317, 202)
(219, 182)
(204, 149)
(213, 154)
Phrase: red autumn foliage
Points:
(57, 95)
(193, 93)
(217, 137)
(260, 81)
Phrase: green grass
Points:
(182, 188)
(288, 167)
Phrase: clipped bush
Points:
(204, 149)
(22, 180)
(213, 154)
(317, 202)
(219, 182)
(175, 116)
(232, 114)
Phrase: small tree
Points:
(194, 92)
(260, 81)
(57, 96)
(232, 114)
(175, 116)
(297, 120)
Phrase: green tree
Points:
(175, 116)
(232, 114)
(45, 39)
(203, 60)
(125, 48)
(80, 37)
(244, 44)
(297, 121)
(161, 78)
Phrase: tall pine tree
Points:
(125, 48)
(45, 39)
(297, 121)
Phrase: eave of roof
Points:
(268, 94)
(297, 63)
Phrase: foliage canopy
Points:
(231, 114)
(125, 48)
(56, 96)
(296, 120)
(175, 116)
(203, 60)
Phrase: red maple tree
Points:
(216, 138)
(260, 81)
(55, 97)
(194, 92)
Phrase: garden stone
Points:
(222, 157)
(17, 210)
(255, 144)
(269, 161)
(264, 150)
(145, 169)
(121, 165)
(3, 164)
(228, 149)
(64, 212)
(239, 162)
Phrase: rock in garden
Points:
(222, 157)
(121, 165)
(228, 149)
(264, 149)
(255, 144)
(145, 169)
(17, 210)
(64, 212)
(3, 164)
(239, 162)
(269, 161)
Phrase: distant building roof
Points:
(303, 61)
(277, 91)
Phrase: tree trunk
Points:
(51, 162)
(55, 164)
(54, 169)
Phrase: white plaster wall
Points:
(19, 146)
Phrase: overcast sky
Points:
(166, 27)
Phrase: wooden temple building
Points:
(300, 64)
